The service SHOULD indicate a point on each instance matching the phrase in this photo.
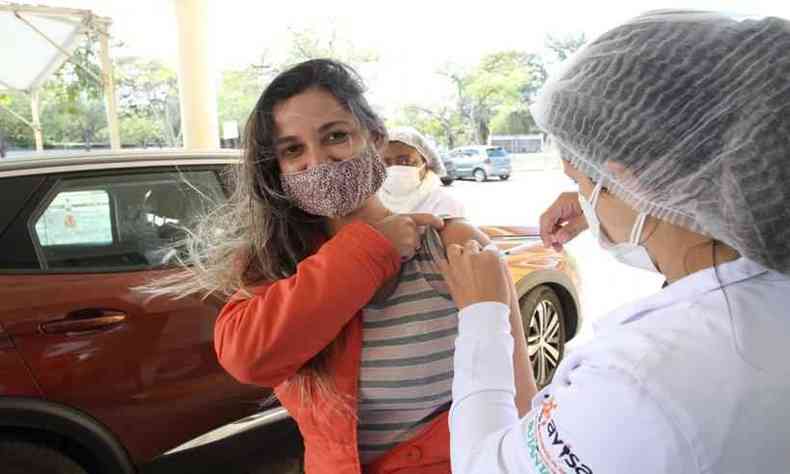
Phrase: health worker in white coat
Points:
(414, 172)
(676, 127)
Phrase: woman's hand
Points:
(475, 275)
(403, 231)
(562, 221)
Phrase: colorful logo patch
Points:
(549, 452)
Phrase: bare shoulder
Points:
(460, 231)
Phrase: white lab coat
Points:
(695, 379)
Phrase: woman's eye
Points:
(290, 151)
(337, 137)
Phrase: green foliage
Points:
(147, 89)
(70, 108)
(513, 120)
(241, 88)
(564, 46)
(138, 131)
(17, 133)
(310, 43)
(496, 92)
(442, 123)
(238, 93)
(81, 76)
(67, 119)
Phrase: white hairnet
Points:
(411, 137)
(686, 116)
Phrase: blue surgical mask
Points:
(630, 253)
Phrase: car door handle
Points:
(85, 321)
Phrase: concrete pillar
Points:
(196, 76)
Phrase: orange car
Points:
(546, 283)
(96, 378)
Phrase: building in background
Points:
(533, 143)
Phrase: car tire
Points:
(480, 175)
(447, 181)
(544, 327)
(22, 457)
(504, 177)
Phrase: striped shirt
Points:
(407, 358)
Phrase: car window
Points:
(90, 209)
(121, 222)
(496, 152)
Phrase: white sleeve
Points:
(448, 205)
(483, 385)
(595, 419)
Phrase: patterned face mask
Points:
(336, 189)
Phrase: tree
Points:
(241, 88)
(564, 46)
(238, 93)
(80, 77)
(72, 119)
(513, 120)
(147, 88)
(313, 43)
(310, 43)
(536, 67)
(72, 100)
(71, 105)
(442, 122)
(17, 133)
(137, 130)
(71, 111)
(502, 84)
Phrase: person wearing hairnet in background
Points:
(676, 127)
(413, 171)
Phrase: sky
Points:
(412, 38)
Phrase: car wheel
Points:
(544, 325)
(480, 175)
(447, 181)
(504, 177)
(21, 457)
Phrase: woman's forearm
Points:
(266, 338)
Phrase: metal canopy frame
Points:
(87, 21)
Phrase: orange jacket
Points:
(266, 339)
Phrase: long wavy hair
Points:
(258, 236)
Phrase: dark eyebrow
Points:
(329, 125)
(322, 129)
(281, 140)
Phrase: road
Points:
(536, 182)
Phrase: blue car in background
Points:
(449, 167)
(481, 162)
